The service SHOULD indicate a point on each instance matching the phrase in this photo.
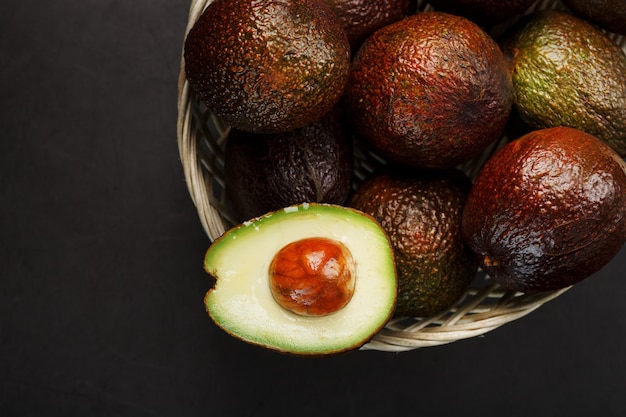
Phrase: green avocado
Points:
(421, 213)
(295, 318)
(566, 72)
(547, 210)
(267, 66)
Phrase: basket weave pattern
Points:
(485, 305)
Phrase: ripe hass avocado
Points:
(267, 66)
(421, 213)
(547, 210)
(430, 91)
(266, 172)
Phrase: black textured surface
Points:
(101, 279)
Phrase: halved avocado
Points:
(241, 301)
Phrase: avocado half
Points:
(241, 301)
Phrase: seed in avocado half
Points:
(547, 210)
(310, 279)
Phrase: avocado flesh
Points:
(241, 302)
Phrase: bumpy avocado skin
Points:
(566, 72)
(360, 18)
(266, 172)
(608, 14)
(548, 210)
(429, 91)
(266, 66)
(421, 213)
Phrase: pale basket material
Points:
(485, 305)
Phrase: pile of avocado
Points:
(324, 256)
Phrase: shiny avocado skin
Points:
(566, 72)
(421, 213)
(547, 210)
(429, 91)
(267, 66)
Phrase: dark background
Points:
(101, 279)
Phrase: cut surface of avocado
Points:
(241, 302)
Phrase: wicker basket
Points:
(484, 307)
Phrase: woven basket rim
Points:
(485, 305)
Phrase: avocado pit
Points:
(313, 276)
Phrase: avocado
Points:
(267, 66)
(265, 172)
(566, 72)
(429, 91)
(361, 18)
(317, 279)
(483, 12)
(547, 210)
(608, 14)
(421, 213)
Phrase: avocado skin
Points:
(361, 18)
(608, 14)
(266, 172)
(566, 72)
(421, 213)
(483, 12)
(266, 66)
(547, 210)
(430, 91)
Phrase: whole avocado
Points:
(361, 18)
(566, 72)
(266, 172)
(267, 66)
(547, 210)
(430, 91)
(483, 12)
(608, 14)
(421, 212)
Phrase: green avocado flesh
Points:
(241, 302)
